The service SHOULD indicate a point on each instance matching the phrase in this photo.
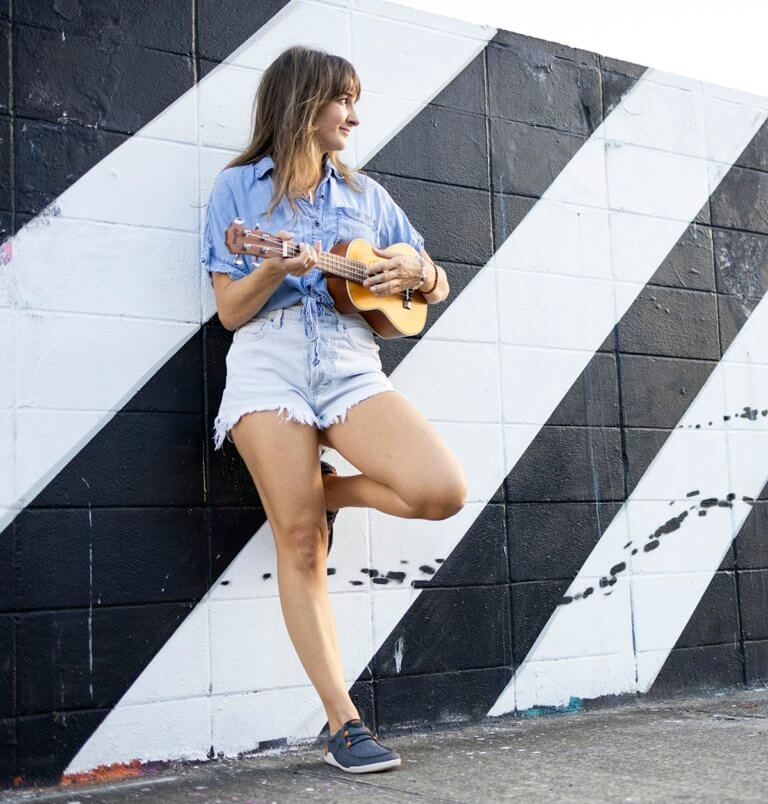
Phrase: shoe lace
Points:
(365, 734)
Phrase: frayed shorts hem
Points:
(224, 423)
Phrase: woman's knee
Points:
(303, 545)
(440, 500)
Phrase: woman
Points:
(293, 353)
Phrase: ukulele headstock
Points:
(241, 239)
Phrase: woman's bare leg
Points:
(282, 458)
(407, 469)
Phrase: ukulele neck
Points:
(335, 264)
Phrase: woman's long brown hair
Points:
(293, 89)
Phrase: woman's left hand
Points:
(396, 273)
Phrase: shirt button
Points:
(317, 223)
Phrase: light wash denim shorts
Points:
(308, 361)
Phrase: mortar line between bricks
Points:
(14, 534)
(734, 546)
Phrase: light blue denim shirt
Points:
(338, 214)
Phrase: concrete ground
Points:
(711, 748)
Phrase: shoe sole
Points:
(370, 768)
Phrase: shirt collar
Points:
(265, 164)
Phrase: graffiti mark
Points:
(6, 252)
(399, 645)
(53, 210)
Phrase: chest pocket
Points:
(352, 223)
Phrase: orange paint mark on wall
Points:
(105, 773)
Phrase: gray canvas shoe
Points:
(355, 749)
(330, 516)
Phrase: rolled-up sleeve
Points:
(220, 212)
(394, 226)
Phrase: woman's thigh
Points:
(391, 441)
(282, 458)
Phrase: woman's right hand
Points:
(303, 262)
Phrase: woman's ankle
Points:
(335, 723)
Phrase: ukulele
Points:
(393, 316)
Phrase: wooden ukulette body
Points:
(385, 315)
(392, 316)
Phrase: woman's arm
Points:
(239, 300)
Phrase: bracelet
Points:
(437, 275)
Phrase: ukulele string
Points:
(358, 269)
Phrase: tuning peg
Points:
(239, 221)
(238, 260)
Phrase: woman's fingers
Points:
(306, 259)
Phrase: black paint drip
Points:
(673, 524)
(654, 541)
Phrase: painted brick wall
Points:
(599, 369)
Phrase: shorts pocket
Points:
(254, 329)
(360, 337)
(352, 223)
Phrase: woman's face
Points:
(335, 122)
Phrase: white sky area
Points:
(710, 40)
